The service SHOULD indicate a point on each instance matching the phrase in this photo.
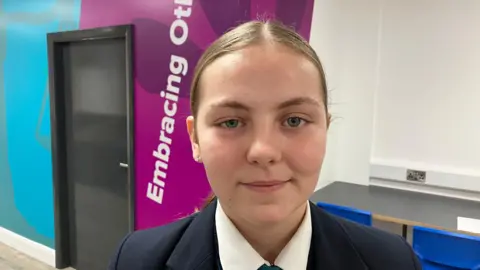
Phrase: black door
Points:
(96, 143)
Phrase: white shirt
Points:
(237, 254)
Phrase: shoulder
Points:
(380, 249)
(150, 248)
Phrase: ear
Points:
(193, 138)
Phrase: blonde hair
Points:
(247, 34)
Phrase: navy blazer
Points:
(337, 244)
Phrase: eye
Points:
(294, 121)
(230, 124)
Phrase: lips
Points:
(265, 186)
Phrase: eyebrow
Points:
(299, 101)
(291, 102)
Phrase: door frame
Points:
(58, 131)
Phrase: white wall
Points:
(344, 34)
(405, 86)
(427, 113)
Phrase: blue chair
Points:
(359, 216)
(443, 250)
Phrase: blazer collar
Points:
(330, 248)
(197, 249)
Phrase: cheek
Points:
(215, 148)
(306, 155)
(220, 157)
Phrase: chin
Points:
(267, 213)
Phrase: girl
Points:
(259, 126)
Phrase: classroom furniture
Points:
(400, 206)
(439, 249)
(353, 214)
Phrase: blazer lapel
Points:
(330, 248)
(197, 247)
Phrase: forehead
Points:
(261, 74)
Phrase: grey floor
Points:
(11, 259)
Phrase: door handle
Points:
(123, 165)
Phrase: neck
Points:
(270, 239)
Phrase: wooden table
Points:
(402, 207)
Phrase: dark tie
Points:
(266, 267)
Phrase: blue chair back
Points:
(359, 216)
(438, 249)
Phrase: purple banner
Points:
(169, 38)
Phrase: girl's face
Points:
(261, 131)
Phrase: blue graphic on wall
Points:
(26, 189)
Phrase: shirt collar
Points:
(237, 254)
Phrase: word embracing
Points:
(178, 69)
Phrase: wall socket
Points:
(416, 176)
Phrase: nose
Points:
(265, 149)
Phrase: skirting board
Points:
(451, 183)
(27, 246)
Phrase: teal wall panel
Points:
(26, 189)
